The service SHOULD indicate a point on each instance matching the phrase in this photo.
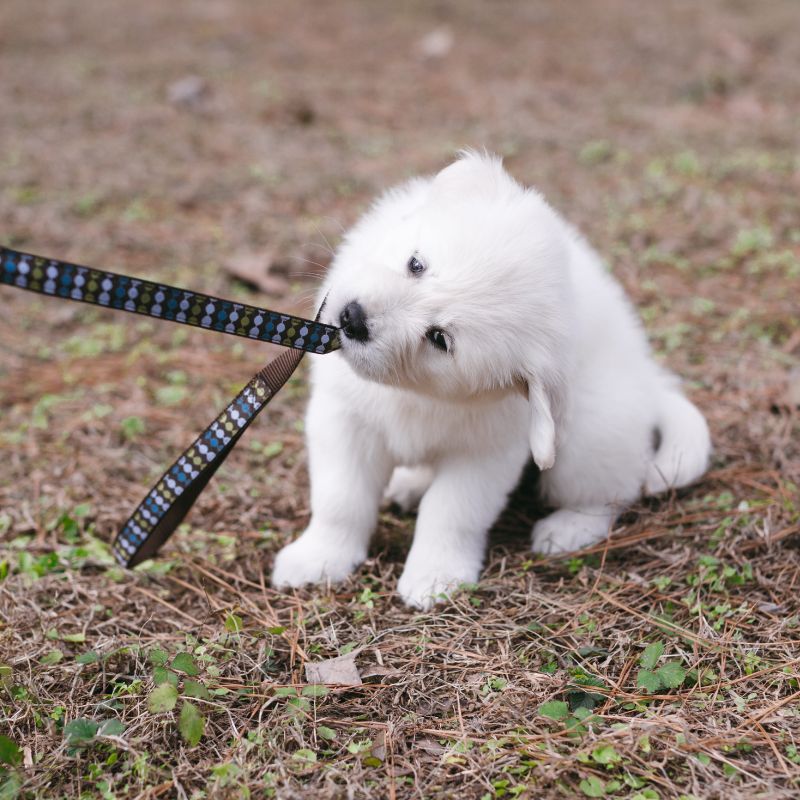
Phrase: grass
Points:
(662, 664)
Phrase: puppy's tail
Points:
(681, 442)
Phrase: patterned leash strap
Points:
(121, 292)
(168, 502)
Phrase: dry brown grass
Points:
(670, 140)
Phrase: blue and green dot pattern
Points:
(170, 499)
(98, 287)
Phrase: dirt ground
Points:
(172, 140)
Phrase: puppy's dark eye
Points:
(415, 266)
(438, 339)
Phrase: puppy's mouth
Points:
(367, 353)
(367, 363)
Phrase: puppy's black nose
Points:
(354, 322)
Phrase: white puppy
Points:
(478, 328)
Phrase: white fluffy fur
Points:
(547, 357)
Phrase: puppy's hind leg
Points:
(348, 472)
(568, 529)
(407, 486)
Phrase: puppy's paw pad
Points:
(407, 486)
(307, 560)
(564, 530)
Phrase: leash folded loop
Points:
(168, 502)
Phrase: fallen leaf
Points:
(341, 671)
(430, 746)
(253, 268)
(379, 746)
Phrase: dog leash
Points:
(168, 502)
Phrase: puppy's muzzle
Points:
(353, 320)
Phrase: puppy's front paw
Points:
(407, 486)
(422, 585)
(565, 530)
(313, 559)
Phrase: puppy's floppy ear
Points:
(541, 422)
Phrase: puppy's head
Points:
(456, 287)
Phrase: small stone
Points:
(437, 43)
(189, 91)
